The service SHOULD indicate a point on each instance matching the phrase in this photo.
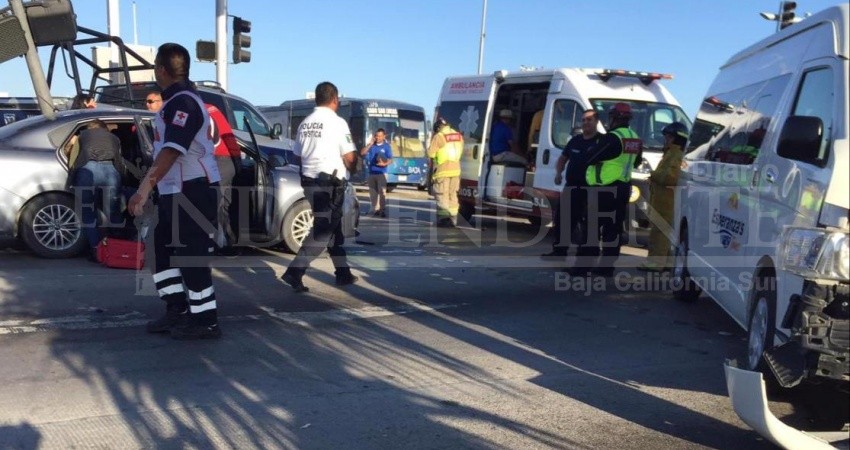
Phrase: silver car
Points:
(38, 207)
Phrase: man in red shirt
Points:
(228, 157)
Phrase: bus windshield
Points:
(405, 132)
(648, 119)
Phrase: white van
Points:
(762, 208)
(470, 103)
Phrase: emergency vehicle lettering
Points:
(632, 146)
(467, 87)
(453, 137)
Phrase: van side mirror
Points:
(277, 130)
(801, 139)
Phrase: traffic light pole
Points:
(39, 83)
(221, 43)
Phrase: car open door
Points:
(262, 197)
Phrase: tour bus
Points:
(761, 221)
(470, 104)
(404, 124)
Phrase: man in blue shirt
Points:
(503, 148)
(377, 156)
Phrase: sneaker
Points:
(345, 280)
(196, 331)
(164, 324)
(294, 281)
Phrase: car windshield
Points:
(648, 119)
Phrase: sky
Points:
(404, 49)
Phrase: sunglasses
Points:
(152, 101)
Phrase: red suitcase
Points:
(121, 253)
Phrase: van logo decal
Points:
(469, 121)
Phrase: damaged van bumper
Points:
(749, 399)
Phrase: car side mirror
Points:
(801, 139)
(277, 130)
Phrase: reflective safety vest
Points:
(447, 157)
(619, 168)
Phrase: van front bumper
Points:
(819, 345)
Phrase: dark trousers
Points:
(606, 214)
(183, 243)
(227, 169)
(326, 201)
(569, 220)
(98, 186)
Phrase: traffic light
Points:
(786, 14)
(241, 40)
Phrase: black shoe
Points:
(229, 251)
(445, 223)
(171, 319)
(603, 271)
(196, 331)
(345, 280)
(294, 281)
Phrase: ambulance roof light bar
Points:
(645, 77)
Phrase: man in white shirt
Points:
(327, 154)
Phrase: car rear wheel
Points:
(297, 224)
(51, 228)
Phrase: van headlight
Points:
(816, 253)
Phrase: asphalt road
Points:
(451, 339)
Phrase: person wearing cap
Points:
(662, 184)
(608, 177)
(503, 147)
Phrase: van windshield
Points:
(406, 133)
(648, 119)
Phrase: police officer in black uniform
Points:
(327, 154)
(573, 201)
(186, 176)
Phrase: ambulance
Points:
(471, 104)
(763, 214)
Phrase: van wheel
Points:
(761, 329)
(297, 223)
(683, 287)
(51, 228)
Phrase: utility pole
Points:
(113, 23)
(39, 83)
(483, 35)
(221, 43)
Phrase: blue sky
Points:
(403, 49)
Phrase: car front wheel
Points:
(51, 228)
(297, 224)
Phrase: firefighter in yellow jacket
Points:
(445, 152)
(662, 184)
